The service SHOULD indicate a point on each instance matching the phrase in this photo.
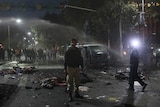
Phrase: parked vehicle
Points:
(95, 55)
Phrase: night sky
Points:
(33, 9)
(28, 8)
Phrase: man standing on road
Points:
(73, 65)
(133, 75)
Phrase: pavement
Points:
(103, 91)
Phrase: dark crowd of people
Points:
(27, 54)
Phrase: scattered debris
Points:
(112, 99)
(34, 97)
(83, 88)
(66, 104)
(121, 76)
(103, 72)
(26, 70)
(48, 83)
(108, 83)
(51, 82)
(18, 70)
(47, 105)
(87, 97)
(84, 78)
(100, 97)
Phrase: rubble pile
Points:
(51, 82)
(123, 74)
(41, 79)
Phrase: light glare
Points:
(135, 43)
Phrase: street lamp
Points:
(8, 31)
(142, 19)
(24, 39)
(8, 27)
(29, 33)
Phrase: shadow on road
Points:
(92, 103)
(5, 92)
(128, 100)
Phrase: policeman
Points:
(73, 64)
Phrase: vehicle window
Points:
(97, 48)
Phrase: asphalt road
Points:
(104, 91)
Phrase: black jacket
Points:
(73, 58)
(134, 57)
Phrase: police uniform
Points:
(73, 64)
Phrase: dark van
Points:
(95, 55)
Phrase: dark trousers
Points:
(133, 76)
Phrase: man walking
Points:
(133, 75)
(73, 65)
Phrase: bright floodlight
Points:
(18, 20)
(135, 43)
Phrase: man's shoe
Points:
(143, 87)
(131, 89)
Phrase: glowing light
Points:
(125, 53)
(29, 33)
(18, 20)
(135, 43)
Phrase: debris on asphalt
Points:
(100, 97)
(85, 96)
(34, 97)
(121, 76)
(47, 106)
(83, 88)
(112, 99)
(18, 70)
(84, 78)
(66, 104)
(103, 72)
(108, 83)
(26, 70)
(51, 82)
(48, 83)
(12, 77)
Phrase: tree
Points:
(49, 35)
(104, 25)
